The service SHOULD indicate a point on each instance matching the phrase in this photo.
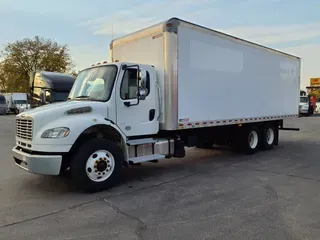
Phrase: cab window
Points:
(129, 85)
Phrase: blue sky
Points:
(292, 26)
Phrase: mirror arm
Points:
(128, 103)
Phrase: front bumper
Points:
(304, 111)
(38, 164)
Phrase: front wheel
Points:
(97, 165)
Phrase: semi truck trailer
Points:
(167, 87)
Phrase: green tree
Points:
(3, 83)
(38, 54)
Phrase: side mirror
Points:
(43, 96)
(142, 79)
(142, 93)
(32, 75)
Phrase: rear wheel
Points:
(268, 137)
(248, 139)
(97, 165)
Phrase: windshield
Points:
(59, 96)
(20, 101)
(94, 83)
(2, 101)
(303, 99)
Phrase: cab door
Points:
(137, 116)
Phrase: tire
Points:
(268, 137)
(248, 140)
(97, 165)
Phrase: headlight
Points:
(58, 132)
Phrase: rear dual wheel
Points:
(268, 137)
(250, 139)
(253, 137)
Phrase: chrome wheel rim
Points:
(253, 139)
(100, 165)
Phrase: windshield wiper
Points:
(83, 96)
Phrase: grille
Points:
(24, 128)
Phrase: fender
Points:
(106, 122)
(77, 126)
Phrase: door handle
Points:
(152, 113)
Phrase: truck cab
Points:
(307, 105)
(20, 101)
(122, 90)
(108, 106)
(49, 87)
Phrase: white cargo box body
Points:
(208, 78)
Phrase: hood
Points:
(52, 107)
(57, 110)
(50, 113)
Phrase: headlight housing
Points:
(59, 132)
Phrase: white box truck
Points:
(17, 102)
(169, 86)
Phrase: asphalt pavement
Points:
(210, 194)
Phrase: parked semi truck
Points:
(49, 87)
(164, 90)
